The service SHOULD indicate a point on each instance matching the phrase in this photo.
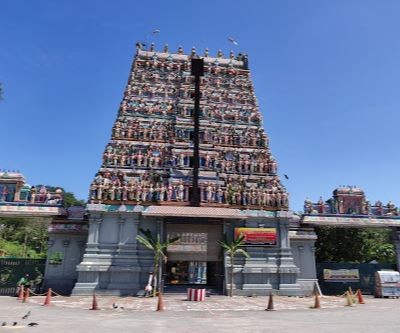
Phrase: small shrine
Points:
(350, 200)
(19, 199)
(349, 208)
(15, 190)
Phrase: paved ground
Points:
(179, 303)
(217, 314)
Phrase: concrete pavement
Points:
(378, 315)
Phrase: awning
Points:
(208, 212)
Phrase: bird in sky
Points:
(286, 176)
(233, 41)
(27, 315)
(156, 31)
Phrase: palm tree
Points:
(232, 249)
(159, 249)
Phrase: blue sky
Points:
(326, 74)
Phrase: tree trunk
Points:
(155, 276)
(231, 274)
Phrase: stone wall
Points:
(62, 275)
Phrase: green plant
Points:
(232, 249)
(159, 249)
(56, 258)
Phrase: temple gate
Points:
(349, 208)
(146, 176)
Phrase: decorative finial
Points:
(166, 48)
(206, 52)
(232, 55)
(180, 50)
(152, 47)
(220, 54)
(193, 51)
(140, 45)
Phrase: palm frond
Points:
(243, 252)
(173, 240)
(145, 242)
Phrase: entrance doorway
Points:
(196, 260)
(187, 272)
(208, 273)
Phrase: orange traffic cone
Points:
(26, 295)
(270, 306)
(160, 303)
(360, 297)
(21, 292)
(94, 303)
(317, 303)
(47, 301)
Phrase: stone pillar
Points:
(160, 231)
(95, 221)
(121, 229)
(17, 192)
(136, 222)
(65, 244)
(227, 231)
(302, 240)
(287, 270)
(127, 232)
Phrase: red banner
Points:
(257, 236)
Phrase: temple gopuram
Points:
(149, 159)
(145, 182)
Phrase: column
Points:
(94, 231)
(136, 222)
(121, 229)
(287, 270)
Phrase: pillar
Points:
(95, 221)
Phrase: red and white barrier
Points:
(196, 295)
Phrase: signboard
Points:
(341, 275)
(188, 242)
(257, 236)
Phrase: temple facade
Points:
(145, 182)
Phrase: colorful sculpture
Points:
(153, 135)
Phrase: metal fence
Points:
(12, 269)
(365, 282)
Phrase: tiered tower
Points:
(149, 158)
(146, 176)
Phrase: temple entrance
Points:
(196, 260)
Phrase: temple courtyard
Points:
(218, 313)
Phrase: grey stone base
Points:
(62, 286)
(308, 286)
(85, 289)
